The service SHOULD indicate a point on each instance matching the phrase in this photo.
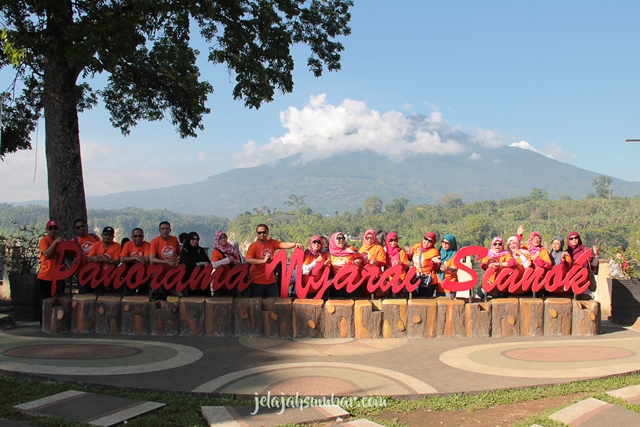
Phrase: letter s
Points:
(479, 251)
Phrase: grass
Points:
(183, 409)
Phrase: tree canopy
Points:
(145, 47)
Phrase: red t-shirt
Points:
(258, 250)
(168, 250)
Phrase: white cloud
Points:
(474, 156)
(320, 130)
(552, 151)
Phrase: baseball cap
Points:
(108, 230)
(52, 223)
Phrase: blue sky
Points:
(558, 77)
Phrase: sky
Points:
(560, 78)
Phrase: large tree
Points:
(57, 46)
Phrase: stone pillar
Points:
(277, 316)
(477, 318)
(164, 318)
(338, 319)
(83, 314)
(192, 316)
(307, 318)
(422, 318)
(505, 317)
(450, 318)
(135, 315)
(367, 318)
(248, 317)
(394, 324)
(586, 318)
(56, 315)
(219, 317)
(109, 315)
(557, 316)
(532, 317)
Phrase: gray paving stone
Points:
(94, 409)
(631, 394)
(360, 423)
(596, 413)
(236, 416)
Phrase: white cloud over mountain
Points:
(552, 151)
(321, 129)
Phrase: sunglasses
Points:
(497, 244)
(393, 240)
(53, 227)
(138, 236)
(317, 242)
(574, 238)
(339, 238)
(262, 232)
(428, 239)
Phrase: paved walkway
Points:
(318, 367)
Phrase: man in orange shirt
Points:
(86, 241)
(259, 253)
(106, 252)
(165, 250)
(136, 251)
(48, 262)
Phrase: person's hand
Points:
(298, 245)
(266, 258)
(206, 263)
(436, 259)
(595, 250)
(327, 263)
(520, 229)
(58, 240)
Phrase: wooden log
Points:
(586, 318)
(219, 317)
(307, 318)
(477, 318)
(248, 317)
(422, 318)
(557, 316)
(505, 317)
(83, 314)
(450, 322)
(394, 320)
(56, 315)
(164, 318)
(192, 316)
(108, 315)
(277, 317)
(338, 319)
(135, 315)
(531, 317)
(367, 319)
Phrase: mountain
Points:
(342, 182)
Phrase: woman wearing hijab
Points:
(426, 259)
(575, 249)
(314, 255)
(522, 258)
(395, 256)
(375, 254)
(224, 254)
(499, 258)
(342, 255)
(559, 257)
(192, 256)
(539, 255)
(447, 270)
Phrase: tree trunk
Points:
(64, 165)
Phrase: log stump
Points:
(219, 317)
(307, 318)
(108, 315)
(450, 323)
(192, 316)
(586, 318)
(338, 319)
(531, 317)
(367, 319)
(422, 318)
(277, 317)
(135, 315)
(248, 317)
(83, 314)
(477, 316)
(56, 315)
(505, 317)
(394, 318)
(557, 316)
(164, 318)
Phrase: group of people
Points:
(432, 264)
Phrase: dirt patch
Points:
(497, 416)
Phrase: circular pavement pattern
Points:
(324, 378)
(86, 356)
(324, 347)
(549, 359)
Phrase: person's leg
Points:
(272, 291)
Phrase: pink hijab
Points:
(392, 252)
(492, 253)
(337, 251)
(310, 249)
(530, 246)
(227, 249)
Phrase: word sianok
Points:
(350, 278)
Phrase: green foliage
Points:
(602, 186)
(21, 249)
(372, 205)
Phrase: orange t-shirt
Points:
(217, 255)
(376, 252)
(85, 244)
(46, 264)
(130, 250)
(258, 250)
(112, 251)
(339, 262)
(424, 266)
(165, 250)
